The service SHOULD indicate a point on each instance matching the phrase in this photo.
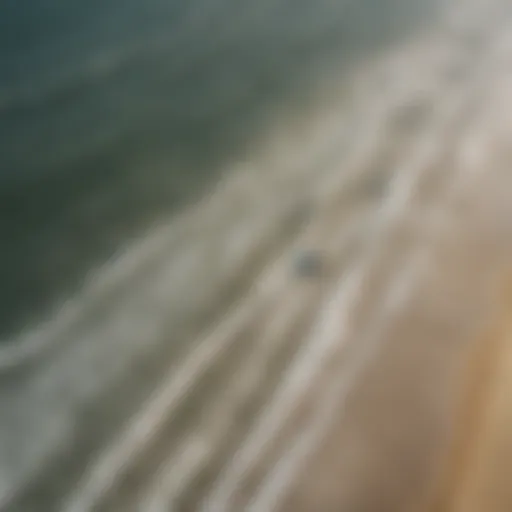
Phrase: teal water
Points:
(115, 112)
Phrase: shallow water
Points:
(113, 113)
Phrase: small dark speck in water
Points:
(472, 40)
(456, 72)
(410, 115)
(375, 185)
(307, 263)
(304, 212)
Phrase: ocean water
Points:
(114, 113)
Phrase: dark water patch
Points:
(117, 113)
